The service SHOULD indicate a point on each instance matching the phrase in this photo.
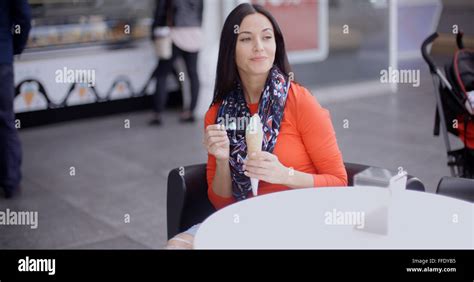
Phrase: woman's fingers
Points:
(257, 170)
(216, 133)
(217, 145)
(215, 139)
(266, 156)
(215, 127)
(213, 130)
(218, 140)
(258, 161)
(257, 164)
(263, 156)
(261, 159)
(262, 177)
(212, 139)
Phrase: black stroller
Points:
(454, 109)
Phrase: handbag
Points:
(163, 43)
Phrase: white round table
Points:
(340, 218)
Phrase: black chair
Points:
(455, 187)
(188, 203)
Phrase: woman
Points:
(299, 149)
(184, 17)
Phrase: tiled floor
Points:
(116, 197)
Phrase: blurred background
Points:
(90, 159)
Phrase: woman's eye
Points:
(245, 39)
(268, 37)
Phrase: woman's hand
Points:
(266, 167)
(217, 142)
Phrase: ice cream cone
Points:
(254, 182)
(254, 138)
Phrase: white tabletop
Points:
(324, 218)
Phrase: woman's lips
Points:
(258, 59)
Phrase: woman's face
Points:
(256, 46)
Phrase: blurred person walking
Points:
(15, 17)
(176, 31)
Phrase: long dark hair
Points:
(227, 74)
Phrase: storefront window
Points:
(358, 45)
(333, 42)
(63, 23)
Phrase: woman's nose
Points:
(258, 45)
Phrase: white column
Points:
(208, 55)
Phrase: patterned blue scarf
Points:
(270, 110)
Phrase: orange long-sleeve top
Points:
(306, 142)
(469, 138)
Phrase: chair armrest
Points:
(415, 184)
(459, 188)
(352, 169)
